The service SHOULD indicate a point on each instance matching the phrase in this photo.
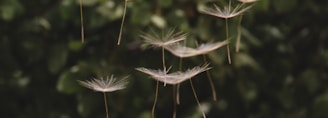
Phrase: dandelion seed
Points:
(105, 85)
(183, 51)
(226, 12)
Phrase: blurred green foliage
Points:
(281, 71)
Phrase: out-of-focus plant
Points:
(279, 71)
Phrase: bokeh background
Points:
(281, 70)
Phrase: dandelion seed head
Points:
(247, 1)
(183, 51)
(103, 84)
(168, 38)
(175, 77)
(225, 12)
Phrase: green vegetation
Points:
(280, 70)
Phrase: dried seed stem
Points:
(82, 24)
(174, 102)
(210, 80)
(121, 28)
(106, 108)
(155, 100)
(239, 33)
(195, 94)
(227, 36)
(163, 61)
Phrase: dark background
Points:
(280, 72)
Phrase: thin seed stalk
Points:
(123, 18)
(239, 33)
(227, 36)
(210, 80)
(178, 86)
(155, 101)
(195, 95)
(163, 61)
(174, 102)
(82, 24)
(106, 108)
(176, 92)
(157, 84)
